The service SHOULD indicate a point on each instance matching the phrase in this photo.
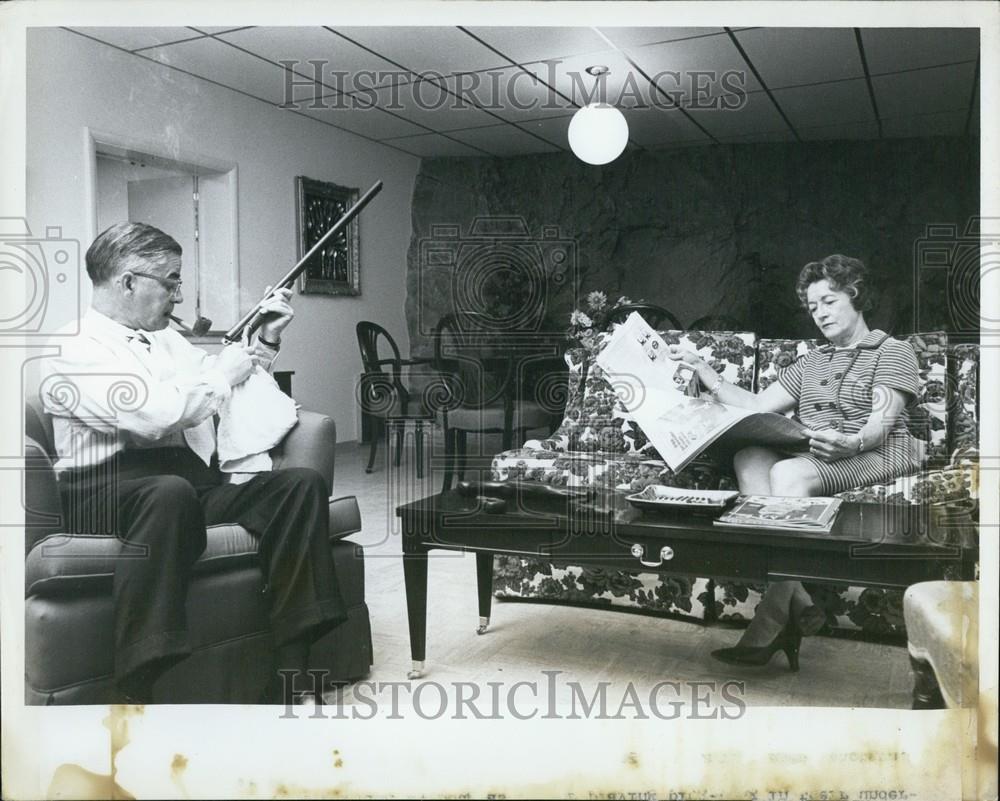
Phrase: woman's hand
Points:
(691, 361)
(828, 445)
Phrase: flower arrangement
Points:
(586, 324)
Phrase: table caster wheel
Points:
(484, 623)
(416, 672)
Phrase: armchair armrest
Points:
(42, 506)
(310, 443)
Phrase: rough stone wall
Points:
(717, 230)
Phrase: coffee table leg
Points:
(484, 583)
(415, 579)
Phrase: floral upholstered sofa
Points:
(598, 444)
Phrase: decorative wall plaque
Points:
(334, 269)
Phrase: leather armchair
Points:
(68, 606)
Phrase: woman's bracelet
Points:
(274, 345)
(716, 386)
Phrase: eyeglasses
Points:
(172, 285)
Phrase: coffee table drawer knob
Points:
(666, 554)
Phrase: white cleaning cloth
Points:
(253, 420)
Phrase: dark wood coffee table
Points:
(870, 545)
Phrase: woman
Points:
(852, 395)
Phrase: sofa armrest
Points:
(42, 506)
(310, 443)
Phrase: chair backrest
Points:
(716, 322)
(474, 360)
(38, 425)
(368, 341)
(381, 391)
(656, 316)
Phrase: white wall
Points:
(75, 83)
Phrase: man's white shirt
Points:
(108, 390)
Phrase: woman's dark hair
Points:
(125, 246)
(844, 275)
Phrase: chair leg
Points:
(449, 458)
(926, 691)
(418, 437)
(462, 443)
(400, 431)
(376, 435)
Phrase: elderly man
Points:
(144, 468)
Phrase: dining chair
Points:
(388, 402)
(650, 312)
(716, 322)
(482, 392)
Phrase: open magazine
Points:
(770, 512)
(680, 427)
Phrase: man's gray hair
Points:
(126, 245)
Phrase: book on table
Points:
(652, 388)
(776, 512)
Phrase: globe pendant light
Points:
(598, 132)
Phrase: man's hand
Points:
(828, 445)
(235, 363)
(277, 313)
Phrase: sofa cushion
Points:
(963, 421)
(61, 563)
(632, 471)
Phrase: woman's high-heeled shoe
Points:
(788, 640)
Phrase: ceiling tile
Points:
(439, 49)
(653, 127)
(756, 116)
(677, 67)
(536, 44)
(348, 66)
(504, 140)
(217, 61)
(212, 29)
(795, 56)
(637, 37)
(135, 38)
(893, 49)
(429, 103)
(762, 136)
(918, 125)
(622, 86)
(924, 91)
(553, 129)
(371, 122)
(854, 130)
(433, 146)
(511, 94)
(826, 104)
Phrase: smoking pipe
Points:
(202, 325)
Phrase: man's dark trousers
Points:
(158, 501)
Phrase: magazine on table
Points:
(776, 512)
(650, 385)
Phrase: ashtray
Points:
(656, 496)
